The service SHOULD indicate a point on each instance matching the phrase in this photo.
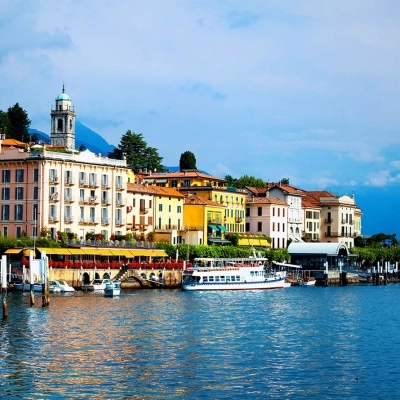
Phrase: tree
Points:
(230, 181)
(187, 161)
(19, 123)
(4, 123)
(246, 180)
(82, 147)
(138, 154)
(285, 181)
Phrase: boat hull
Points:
(307, 283)
(275, 284)
(27, 288)
(111, 292)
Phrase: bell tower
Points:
(63, 122)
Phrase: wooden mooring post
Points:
(326, 275)
(4, 285)
(31, 278)
(44, 262)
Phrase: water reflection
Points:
(297, 342)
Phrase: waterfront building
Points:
(311, 211)
(46, 189)
(267, 216)
(204, 221)
(167, 214)
(209, 188)
(292, 196)
(139, 210)
(338, 217)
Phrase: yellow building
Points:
(210, 188)
(168, 214)
(204, 221)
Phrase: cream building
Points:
(53, 189)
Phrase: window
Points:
(19, 208)
(92, 215)
(5, 212)
(6, 176)
(35, 193)
(179, 209)
(160, 207)
(35, 212)
(259, 226)
(19, 175)
(273, 211)
(273, 226)
(150, 203)
(169, 208)
(247, 212)
(36, 175)
(259, 211)
(279, 213)
(5, 193)
(19, 193)
(247, 226)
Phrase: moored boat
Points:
(309, 281)
(96, 285)
(60, 286)
(232, 274)
(112, 289)
(37, 286)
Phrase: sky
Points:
(304, 90)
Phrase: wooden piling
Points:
(4, 285)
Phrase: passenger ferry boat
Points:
(233, 274)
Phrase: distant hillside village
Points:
(55, 188)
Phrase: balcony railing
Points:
(69, 199)
(339, 234)
(93, 183)
(105, 221)
(68, 220)
(295, 220)
(105, 185)
(106, 202)
(119, 222)
(69, 182)
(120, 202)
(53, 218)
(329, 221)
(143, 211)
(54, 197)
(54, 180)
(238, 220)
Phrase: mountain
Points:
(83, 136)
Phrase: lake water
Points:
(299, 343)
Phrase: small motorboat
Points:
(37, 286)
(309, 281)
(112, 289)
(60, 287)
(96, 285)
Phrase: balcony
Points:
(105, 185)
(93, 183)
(68, 220)
(295, 220)
(53, 197)
(53, 180)
(69, 182)
(143, 211)
(238, 220)
(88, 221)
(120, 202)
(83, 183)
(329, 221)
(69, 199)
(89, 200)
(339, 234)
(105, 221)
(53, 219)
(214, 221)
(140, 227)
(119, 222)
(106, 202)
(119, 186)
(165, 228)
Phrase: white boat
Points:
(96, 285)
(232, 274)
(112, 289)
(60, 286)
(37, 286)
(310, 281)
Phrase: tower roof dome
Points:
(63, 95)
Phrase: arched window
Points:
(59, 124)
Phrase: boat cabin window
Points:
(228, 278)
(211, 279)
(237, 278)
(251, 273)
(205, 279)
(217, 279)
(222, 279)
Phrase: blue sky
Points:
(305, 90)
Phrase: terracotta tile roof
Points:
(196, 200)
(265, 200)
(317, 194)
(257, 191)
(182, 175)
(165, 191)
(12, 142)
(286, 188)
(136, 187)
